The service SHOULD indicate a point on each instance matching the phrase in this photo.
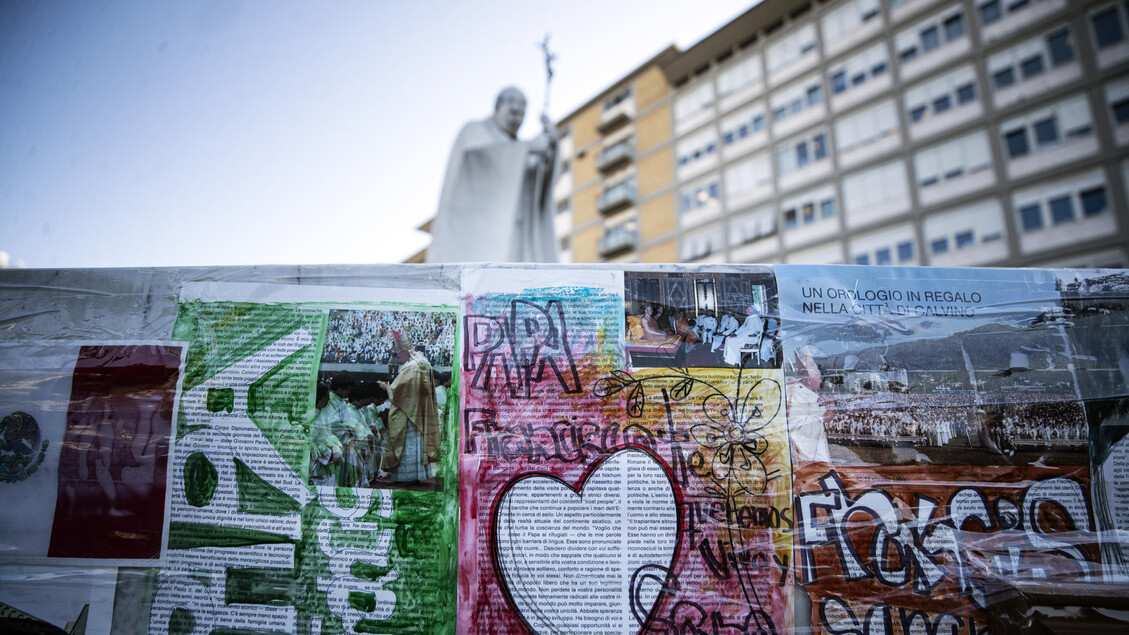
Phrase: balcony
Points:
(615, 155)
(618, 240)
(615, 116)
(617, 197)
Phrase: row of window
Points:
(1023, 61)
(1046, 127)
(795, 99)
(1031, 58)
(930, 34)
(1061, 202)
(1034, 131)
(874, 188)
(885, 255)
(859, 69)
(928, 99)
(978, 224)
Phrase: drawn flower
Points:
(732, 444)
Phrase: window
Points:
(866, 126)
(697, 146)
(802, 153)
(859, 69)
(930, 39)
(941, 94)
(700, 195)
(1062, 210)
(1107, 27)
(1056, 203)
(796, 98)
(1046, 133)
(990, 12)
(965, 239)
(952, 159)
(1031, 67)
(848, 18)
(748, 175)
(965, 228)
(939, 245)
(1016, 143)
(883, 189)
(862, 259)
(966, 93)
(820, 147)
(753, 226)
(1031, 217)
(1066, 119)
(1093, 201)
(1004, 78)
(905, 251)
(954, 27)
(815, 95)
(791, 47)
(563, 206)
(810, 208)
(827, 208)
(702, 243)
(1121, 111)
(1031, 57)
(617, 99)
(693, 101)
(1062, 51)
(742, 73)
(930, 34)
(743, 123)
(839, 82)
(619, 236)
(883, 256)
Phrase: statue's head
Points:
(509, 110)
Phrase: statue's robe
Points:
(496, 203)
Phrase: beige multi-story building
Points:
(912, 132)
(615, 190)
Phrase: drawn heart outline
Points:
(669, 582)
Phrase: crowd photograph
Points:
(894, 422)
(368, 337)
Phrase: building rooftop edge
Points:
(726, 38)
(671, 51)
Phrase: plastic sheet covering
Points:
(564, 449)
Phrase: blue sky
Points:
(226, 132)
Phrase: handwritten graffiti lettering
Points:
(838, 617)
(519, 349)
(562, 440)
(701, 513)
(686, 617)
(873, 539)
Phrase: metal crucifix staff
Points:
(549, 57)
